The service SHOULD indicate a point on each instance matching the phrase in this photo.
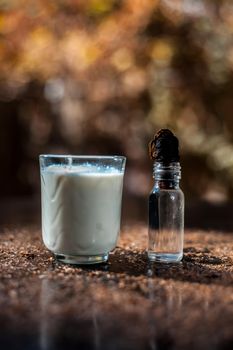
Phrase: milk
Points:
(81, 209)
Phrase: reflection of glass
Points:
(63, 328)
(81, 206)
(45, 301)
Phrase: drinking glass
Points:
(81, 206)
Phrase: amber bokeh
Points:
(101, 76)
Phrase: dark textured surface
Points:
(125, 304)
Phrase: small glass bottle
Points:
(166, 214)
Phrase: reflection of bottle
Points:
(166, 201)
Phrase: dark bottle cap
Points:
(164, 147)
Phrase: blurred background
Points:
(101, 77)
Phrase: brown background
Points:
(101, 77)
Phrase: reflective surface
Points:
(127, 303)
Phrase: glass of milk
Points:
(81, 206)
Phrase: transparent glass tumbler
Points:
(81, 206)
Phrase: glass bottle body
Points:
(166, 222)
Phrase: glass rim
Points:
(94, 157)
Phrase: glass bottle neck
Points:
(167, 176)
(167, 185)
